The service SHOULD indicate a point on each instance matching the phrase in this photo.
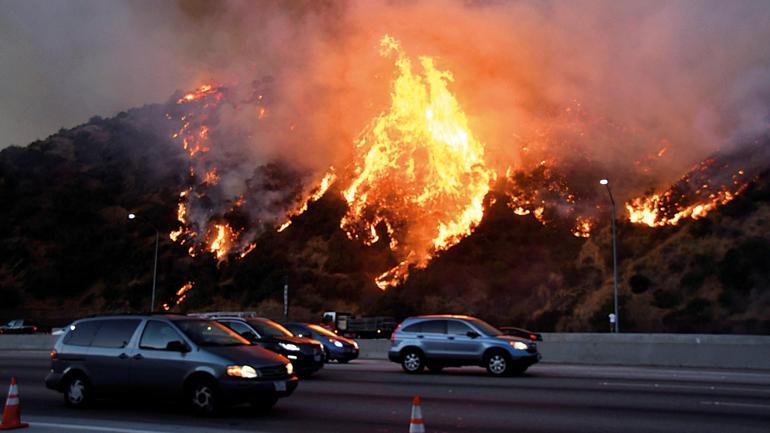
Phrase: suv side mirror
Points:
(177, 346)
(473, 334)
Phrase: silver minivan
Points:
(440, 341)
(198, 359)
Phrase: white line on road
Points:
(95, 428)
(82, 427)
(729, 403)
(676, 386)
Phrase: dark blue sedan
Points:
(338, 348)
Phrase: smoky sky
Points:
(613, 82)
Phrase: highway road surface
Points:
(375, 396)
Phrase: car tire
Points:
(498, 364)
(412, 361)
(77, 391)
(203, 397)
(263, 405)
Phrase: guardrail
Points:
(661, 350)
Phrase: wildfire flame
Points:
(222, 237)
(420, 173)
(583, 227)
(693, 196)
(181, 295)
(314, 196)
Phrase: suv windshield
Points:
(268, 328)
(210, 333)
(485, 327)
(323, 331)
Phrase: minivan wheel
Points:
(203, 397)
(412, 361)
(498, 364)
(77, 392)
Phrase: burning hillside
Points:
(419, 177)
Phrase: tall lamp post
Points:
(616, 327)
(132, 216)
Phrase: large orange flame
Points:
(420, 173)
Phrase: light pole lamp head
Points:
(604, 182)
(131, 216)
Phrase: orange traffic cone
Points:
(12, 413)
(416, 425)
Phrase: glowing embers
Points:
(420, 173)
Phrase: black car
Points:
(19, 326)
(522, 333)
(337, 348)
(306, 354)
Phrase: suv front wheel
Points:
(412, 361)
(203, 397)
(498, 364)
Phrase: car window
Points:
(297, 329)
(238, 327)
(485, 327)
(210, 333)
(82, 333)
(457, 328)
(268, 328)
(415, 327)
(115, 333)
(434, 327)
(322, 331)
(157, 335)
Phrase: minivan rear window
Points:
(115, 333)
(82, 333)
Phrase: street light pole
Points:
(616, 328)
(132, 216)
(155, 272)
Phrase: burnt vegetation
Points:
(68, 249)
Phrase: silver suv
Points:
(452, 341)
(199, 359)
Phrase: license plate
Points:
(280, 386)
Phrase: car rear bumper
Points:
(237, 390)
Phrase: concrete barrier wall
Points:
(665, 350)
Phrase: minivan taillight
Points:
(54, 355)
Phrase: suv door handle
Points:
(138, 356)
(450, 338)
(419, 336)
(123, 356)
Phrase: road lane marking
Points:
(677, 386)
(82, 427)
(729, 403)
(94, 428)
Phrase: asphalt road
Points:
(375, 396)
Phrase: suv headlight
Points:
(244, 371)
(337, 343)
(289, 346)
(519, 345)
(289, 369)
(355, 345)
